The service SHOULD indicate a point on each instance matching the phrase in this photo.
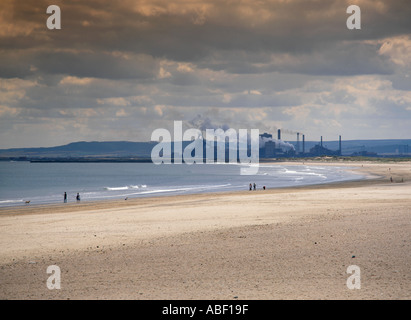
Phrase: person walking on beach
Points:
(251, 187)
(78, 197)
(254, 186)
(65, 197)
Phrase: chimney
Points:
(340, 150)
(298, 142)
(279, 134)
(303, 143)
(321, 141)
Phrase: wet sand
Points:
(289, 243)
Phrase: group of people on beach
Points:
(392, 180)
(254, 187)
(77, 197)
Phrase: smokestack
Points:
(340, 146)
(303, 143)
(321, 141)
(279, 134)
(298, 142)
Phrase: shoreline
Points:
(369, 178)
(285, 243)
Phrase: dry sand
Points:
(291, 243)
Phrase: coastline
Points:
(186, 246)
(370, 178)
(270, 175)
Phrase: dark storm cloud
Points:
(99, 65)
(81, 64)
(14, 65)
(218, 35)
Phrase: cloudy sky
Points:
(117, 70)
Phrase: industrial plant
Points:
(277, 148)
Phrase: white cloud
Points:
(398, 49)
(120, 101)
(70, 80)
(162, 73)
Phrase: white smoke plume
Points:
(203, 123)
(279, 143)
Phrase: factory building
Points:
(320, 150)
(271, 148)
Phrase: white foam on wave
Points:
(115, 188)
(193, 188)
(10, 201)
(131, 187)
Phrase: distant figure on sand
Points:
(65, 197)
(251, 187)
(78, 197)
(254, 186)
(391, 179)
(263, 187)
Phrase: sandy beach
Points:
(289, 243)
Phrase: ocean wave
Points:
(131, 187)
(115, 188)
(184, 189)
(10, 201)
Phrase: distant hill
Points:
(127, 149)
(85, 149)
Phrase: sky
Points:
(118, 70)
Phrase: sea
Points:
(46, 183)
